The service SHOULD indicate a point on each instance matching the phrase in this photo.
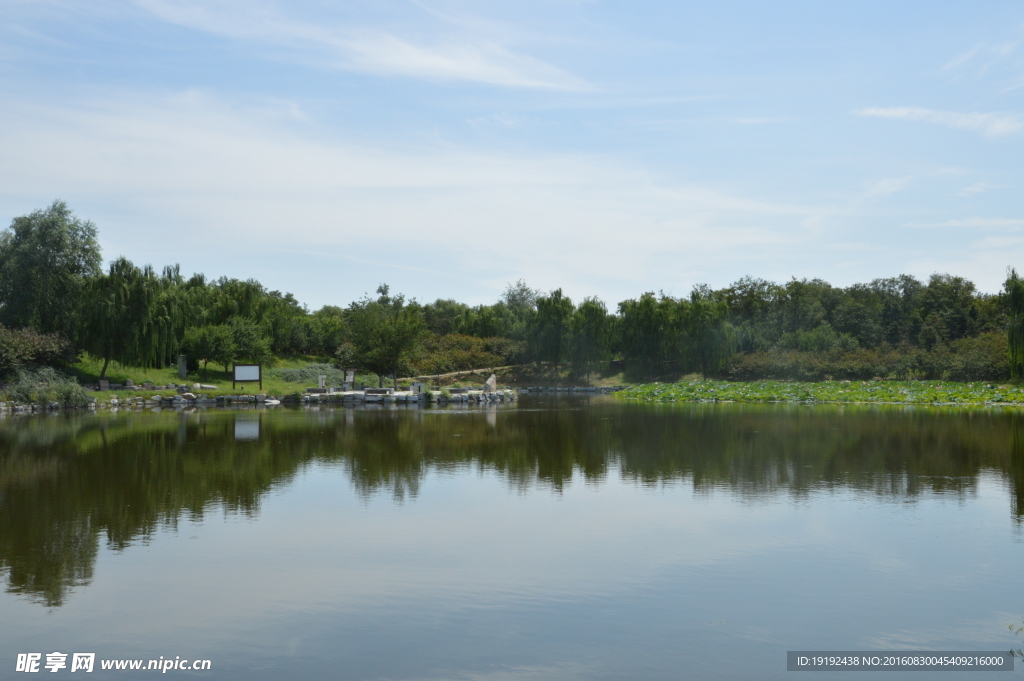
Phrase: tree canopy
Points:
(46, 260)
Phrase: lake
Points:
(554, 538)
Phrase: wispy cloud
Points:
(991, 124)
(983, 222)
(456, 57)
(984, 56)
(979, 188)
(888, 186)
(975, 223)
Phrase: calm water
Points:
(553, 539)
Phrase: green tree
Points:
(212, 343)
(327, 330)
(591, 331)
(121, 324)
(520, 304)
(249, 341)
(385, 332)
(649, 330)
(442, 316)
(710, 338)
(1014, 287)
(46, 261)
(548, 329)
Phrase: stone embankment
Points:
(389, 396)
(350, 397)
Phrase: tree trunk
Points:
(204, 371)
(103, 371)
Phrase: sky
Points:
(451, 148)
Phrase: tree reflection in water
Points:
(68, 480)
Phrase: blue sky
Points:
(449, 148)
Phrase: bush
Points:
(982, 358)
(457, 352)
(23, 347)
(43, 386)
(310, 374)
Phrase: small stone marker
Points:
(128, 382)
(104, 385)
(491, 384)
(416, 388)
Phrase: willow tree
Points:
(120, 320)
(709, 337)
(591, 335)
(1015, 329)
(649, 331)
(549, 327)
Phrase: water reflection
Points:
(67, 482)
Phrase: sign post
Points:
(247, 373)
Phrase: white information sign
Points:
(247, 372)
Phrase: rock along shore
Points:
(344, 398)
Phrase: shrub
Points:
(980, 358)
(310, 374)
(457, 352)
(45, 385)
(969, 359)
(23, 347)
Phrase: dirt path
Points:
(484, 370)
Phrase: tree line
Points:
(57, 301)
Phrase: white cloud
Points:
(999, 243)
(888, 186)
(979, 188)
(985, 57)
(460, 57)
(191, 166)
(991, 124)
(981, 222)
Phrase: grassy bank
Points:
(881, 392)
(288, 374)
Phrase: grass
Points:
(880, 392)
(275, 379)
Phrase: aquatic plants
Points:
(881, 392)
